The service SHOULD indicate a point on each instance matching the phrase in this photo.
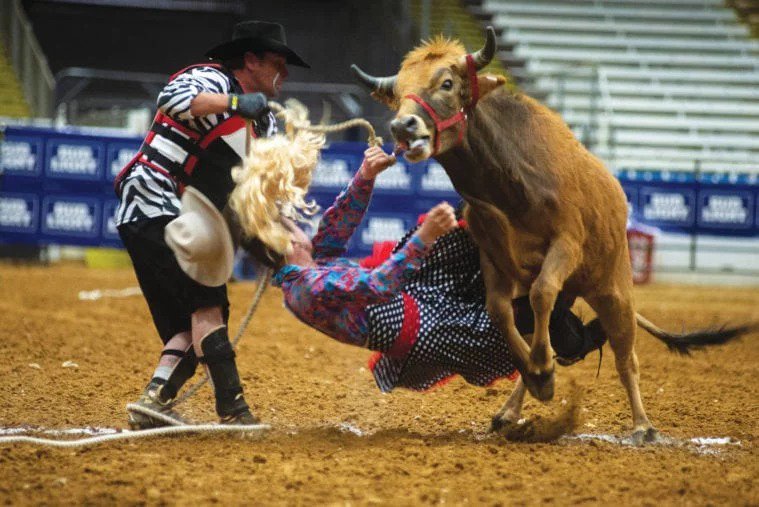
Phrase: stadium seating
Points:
(648, 84)
(12, 103)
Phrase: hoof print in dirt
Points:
(647, 436)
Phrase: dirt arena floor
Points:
(335, 439)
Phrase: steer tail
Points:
(683, 343)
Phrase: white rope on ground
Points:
(134, 435)
(175, 427)
(134, 407)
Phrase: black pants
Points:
(172, 296)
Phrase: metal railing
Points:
(595, 132)
(72, 97)
(27, 58)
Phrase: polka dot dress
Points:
(455, 334)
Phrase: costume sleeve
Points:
(174, 100)
(341, 219)
(367, 287)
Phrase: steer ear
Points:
(489, 82)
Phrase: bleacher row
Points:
(660, 84)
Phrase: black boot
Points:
(591, 337)
(220, 359)
(570, 339)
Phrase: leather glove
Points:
(249, 105)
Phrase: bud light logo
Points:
(670, 207)
(436, 180)
(18, 213)
(383, 229)
(80, 161)
(395, 178)
(20, 156)
(729, 211)
(71, 217)
(331, 172)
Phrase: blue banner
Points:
(75, 158)
(109, 232)
(726, 209)
(669, 206)
(22, 155)
(397, 179)
(434, 182)
(71, 219)
(334, 171)
(19, 215)
(118, 155)
(56, 188)
(378, 227)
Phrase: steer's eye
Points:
(447, 85)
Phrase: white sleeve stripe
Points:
(176, 98)
(180, 101)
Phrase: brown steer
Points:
(545, 212)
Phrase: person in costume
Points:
(171, 195)
(422, 308)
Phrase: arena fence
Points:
(27, 57)
(57, 188)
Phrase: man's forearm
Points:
(206, 103)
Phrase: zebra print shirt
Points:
(147, 193)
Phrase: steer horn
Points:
(383, 85)
(483, 56)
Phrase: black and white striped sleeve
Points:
(174, 100)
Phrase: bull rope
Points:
(373, 139)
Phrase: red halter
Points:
(460, 117)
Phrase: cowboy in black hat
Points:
(257, 55)
(199, 134)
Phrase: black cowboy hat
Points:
(256, 36)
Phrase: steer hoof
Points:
(496, 423)
(540, 386)
(523, 431)
(501, 423)
(645, 436)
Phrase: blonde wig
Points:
(272, 183)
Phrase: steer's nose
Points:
(404, 127)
